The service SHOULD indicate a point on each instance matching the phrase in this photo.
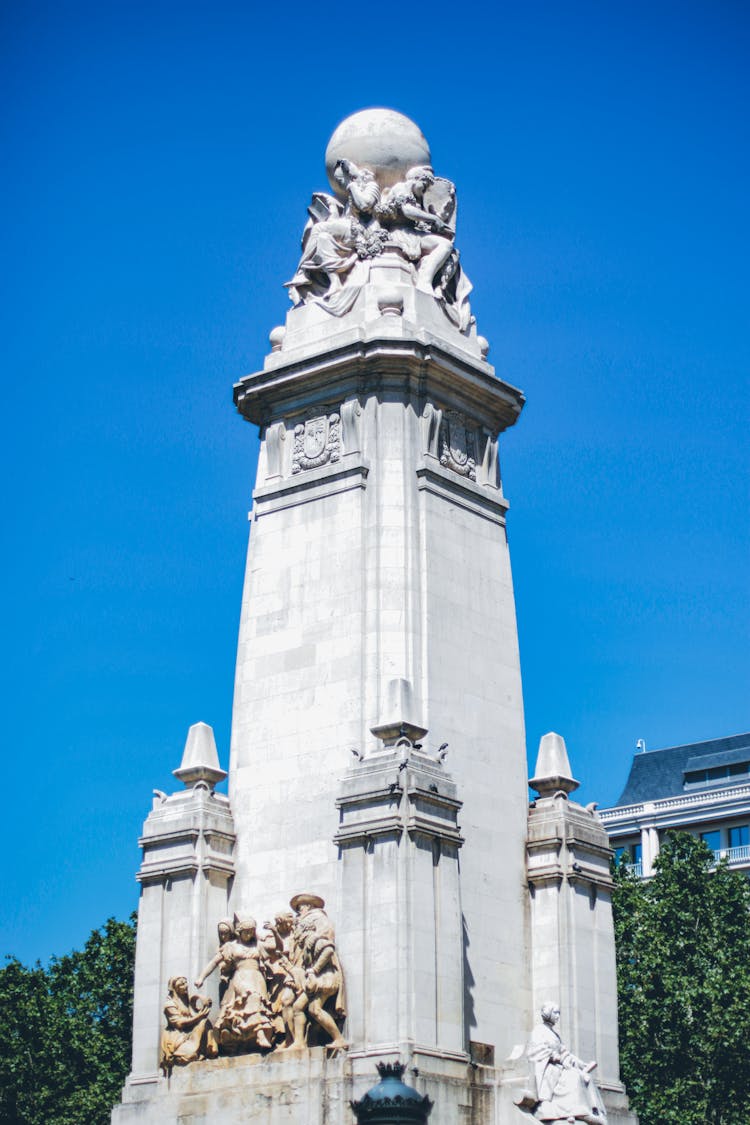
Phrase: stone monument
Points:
(381, 889)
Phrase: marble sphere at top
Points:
(386, 142)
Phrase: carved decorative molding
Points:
(400, 363)
(184, 837)
(566, 842)
(345, 475)
(490, 465)
(432, 418)
(351, 418)
(317, 441)
(275, 436)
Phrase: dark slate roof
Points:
(660, 773)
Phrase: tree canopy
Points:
(683, 964)
(66, 1032)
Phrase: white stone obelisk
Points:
(378, 557)
(377, 755)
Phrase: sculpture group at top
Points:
(282, 990)
(413, 219)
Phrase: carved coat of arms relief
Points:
(458, 444)
(317, 441)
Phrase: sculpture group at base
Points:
(282, 990)
(564, 1089)
(414, 220)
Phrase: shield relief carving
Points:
(317, 442)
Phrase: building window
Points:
(628, 853)
(713, 839)
(739, 837)
(717, 773)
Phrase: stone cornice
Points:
(185, 834)
(566, 843)
(685, 809)
(380, 365)
(418, 800)
(172, 869)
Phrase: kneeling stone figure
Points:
(188, 1035)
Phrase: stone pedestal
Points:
(573, 953)
(310, 1088)
(572, 935)
(187, 866)
(400, 930)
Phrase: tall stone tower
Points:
(377, 776)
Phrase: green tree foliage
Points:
(65, 1032)
(683, 964)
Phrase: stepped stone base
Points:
(316, 1088)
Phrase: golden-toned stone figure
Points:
(188, 1035)
(284, 989)
(286, 977)
(226, 934)
(244, 1019)
(323, 980)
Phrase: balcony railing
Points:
(722, 796)
(733, 855)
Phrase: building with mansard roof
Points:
(702, 787)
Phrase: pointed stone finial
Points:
(200, 760)
(552, 771)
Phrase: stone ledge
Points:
(361, 833)
(157, 873)
(475, 498)
(349, 473)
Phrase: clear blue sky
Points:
(159, 160)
